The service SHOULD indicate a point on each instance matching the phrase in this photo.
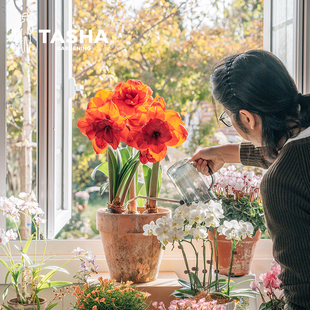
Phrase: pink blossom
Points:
(155, 304)
(254, 286)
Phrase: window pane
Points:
(21, 97)
(282, 31)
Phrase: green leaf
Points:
(112, 173)
(103, 188)
(139, 187)
(159, 178)
(38, 303)
(51, 306)
(140, 201)
(235, 285)
(52, 284)
(55, 267)
(9, 32)
(26, 247)
(125, 154)
(184, 283)
(119, 162)
(6, 307)
(6, 266)
(147, 172)
(5, 292)
(103, 167)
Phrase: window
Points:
(286, 34)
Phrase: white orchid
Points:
(183, 210)
(199, 232)
(175, 234)
(236, 230)
(3, 238)
(161, 231)
(11, 234)
(149, 229)
(177, 221)
(196, 216)
(187, 229)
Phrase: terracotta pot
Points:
(130, 255)
(242, 260)
(14, 305)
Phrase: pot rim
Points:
(161, 210)
(14, 301)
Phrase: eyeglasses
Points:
(225, 119)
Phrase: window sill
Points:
(172, 261)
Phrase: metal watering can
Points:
(191, 185)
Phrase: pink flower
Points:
(270, 279)
(155, 304)
(254, 286)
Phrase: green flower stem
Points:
(214, 232)
(211, 263)
(154, 184)
(186, 262)
(204, 264)
(233, 246)
(130, 180)
(196, 254)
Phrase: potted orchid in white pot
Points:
(27, 271)
(190, 224)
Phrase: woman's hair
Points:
(257, 81)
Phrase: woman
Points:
(261, 101)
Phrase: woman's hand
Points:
(215, 157)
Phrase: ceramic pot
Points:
(230, 305)
(14, 305)
(242, 260)
(130, 255)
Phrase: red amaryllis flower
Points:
(146, 156)
(101, 98)
(104, 126)
(161, 129)
(131, 95)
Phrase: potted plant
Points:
(272, 288)
(239, 193)
(81, 199)
(109, 295)
(29, 276)
(131, 117)
(189, 304)
(192, 223)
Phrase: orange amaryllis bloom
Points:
(131, 95)
(161, 129)
(146, 156)
(101, 98)
(104, 126)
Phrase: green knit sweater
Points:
(285, 191)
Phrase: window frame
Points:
(46, 90)
(3, 130)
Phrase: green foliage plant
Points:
(109, 295)
(29, 276)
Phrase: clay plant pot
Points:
(242, 260)
(130, 255)
(14, 305)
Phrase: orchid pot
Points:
(191, 224)
(13, 304)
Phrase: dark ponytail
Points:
(257, 81)
(304, 102)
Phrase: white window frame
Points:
(3, 83)
(47, 163)
(301, 38)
